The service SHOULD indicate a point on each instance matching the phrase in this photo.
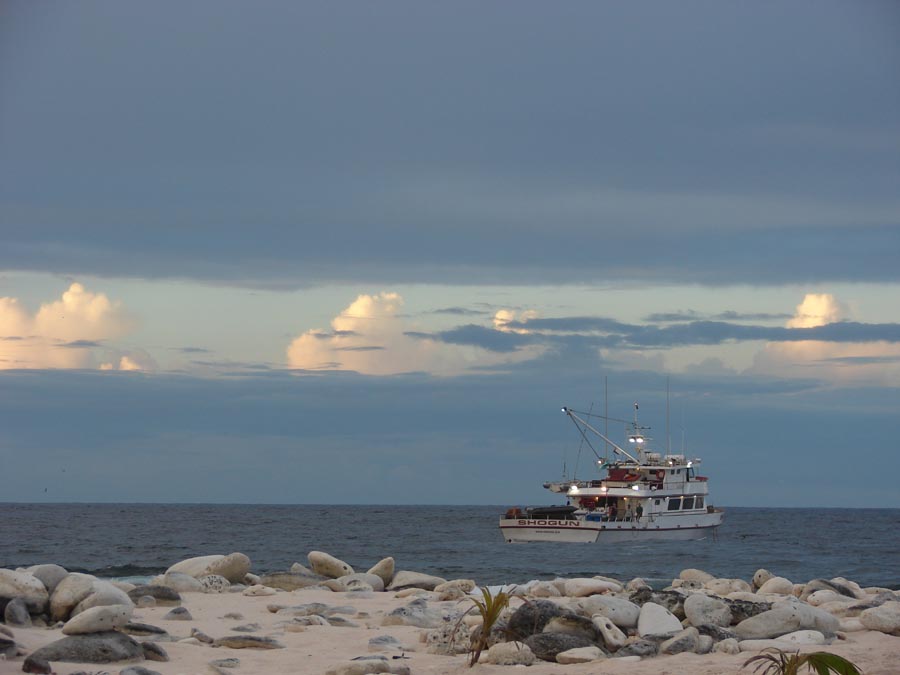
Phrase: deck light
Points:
(635, 487)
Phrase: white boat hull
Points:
(580, 530)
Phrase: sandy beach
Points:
(355, 618)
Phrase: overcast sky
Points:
(364, 252)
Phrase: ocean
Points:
(138, 540)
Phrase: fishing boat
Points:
(641, 495)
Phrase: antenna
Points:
(668, 436)
(606, 416)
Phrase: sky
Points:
(364, 252)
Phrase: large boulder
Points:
(178, 581)
(406, 579)
(572, 624)
(687, 640)
(776, 621)
(98, 619)
(163, 595)
(102, 593)
(25, 586)
(327, 565)
(760, 577)
(197, 566)
(546, 646)
(532, 617)
(233, 566)
(885, 618)
(778, 585)
(657, 620)
(94, 648)
(16, 614)
(671, 600)
(50, 575)
(68, 593)
(384, 568)
(580, 588)
(620, 611)
(691, 574)
(349, 581)
(701, 609)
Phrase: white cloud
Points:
(64, 333)
(370, 337)
(870, 362)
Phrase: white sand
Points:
(318, 648)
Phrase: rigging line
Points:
(602, 417)
(580, 446)
(586, 439)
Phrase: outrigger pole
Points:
(576, 420)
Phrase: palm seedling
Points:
(778, 662)
(490, 607)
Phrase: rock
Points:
(743, 609)
(531, 618)
(728, 646)
(367, 665)
(509, 654)
(385, 643)
(342, 622)
(200, 636)
(68, 593)
(772, 623)
(214, 583)
(196, 567)
(763, 644)
(6, 631)
(178, 614)
(16, 613)
(226, 663)
(384, 568)
(133, 628)
(636, 584)
(695, 575)
(640, 648)
(778, 585)
(717, 633)
(405, 579)
(258, 590)
(327, 565)
(448, 639)
(245, 628)
(164, 595)
(347, 582)
(571, 624)
(812, 617)
(701, 609)
(462, 586)
(547, 645)
(234, 567)
(8, 648)
(416, 613)
(685, 641)
(580, 655)
(760, 577)
(178, 581)
(657, 620)
(840, 587)
(704, 644)
(103, 593)
(248, 642)
(49, 575)
(25, 586)
(885, 618)
(145, 601)
(725, 586)
(804, 637)
(851, 625)
(671, 600)
(620, 611)
(94, 648)
(153, 652)
(33, 665)
(138, 670)
(612, 636)
(579, 588)
(98, 619)
(544, 589)
(291, 581)
(301, 569)
(819, 598)
(311, 620)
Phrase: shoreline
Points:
(316, 620)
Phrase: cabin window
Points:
(677, 470)
(656, 501)
(688, 503)
(698, 503)
(674, 504)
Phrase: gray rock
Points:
(825, 584)
(291, 581)
(94, 648)
(744, 609)
(200, 635)
(416, 613)
(16, 614)
(701, 609)
(884, 618)
(729, 646)
(8, 648)
(448, 639)
(547, 645)
(98, 620)
(145, 601)
(22, 585)
(612, 635)
(153, 652)
(704, 644)
(247, 628)
(50, 575)
(620, 611)
(686, 641)
(671, 600)
(178, 614)
(717, 633)
(163, 595)
(656, 620)
(640, 648)
(33, 665)
(385, 643)
(573, 625)
(406, 579)
(248, 642)
(777, 621)
(226, 663)
(341, 622)
(134, 628)
(6, 631)
(530, 618)
(138, 670)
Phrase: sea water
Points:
(138, 540)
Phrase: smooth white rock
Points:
(544, 589)
(657, 620)
(258, 590)
(464, 585)
(195, 567)
(852, 624)
(178, 581)
(885, 618)
(580, 588)
(819, 598)
(622, 612)
(580, 655)
(612, 636)
(727, 646)
(26, 586)
(327, 565)
(103, 593)
(804, 637)
(701, 609)
(778, 585)
(405, 578)
(692, 574)
(757, 645)
(233, 567)
(509, 654)
(384, 568)
(375, 582)
(68, 593)
(98, 619)
(50, 575)
(760, 577)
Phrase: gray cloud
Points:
(371, 146)
(80, 344)
(729, 315)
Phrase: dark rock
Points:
(671, 600)
(531, 618)
(639, 648)
(247, 628)
(717, 633)
(226, 663)
(162, 594)
(16, 614)
(33, 665)
(8, 648)
(248, 642)
(133, 628)
(179, 614)
(6, 631)
(744, 609)
(200, 635)
(547, 645)
(825, 585)
(153, 652)
(105, 647)
(138, 670)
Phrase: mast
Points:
(668, 435)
